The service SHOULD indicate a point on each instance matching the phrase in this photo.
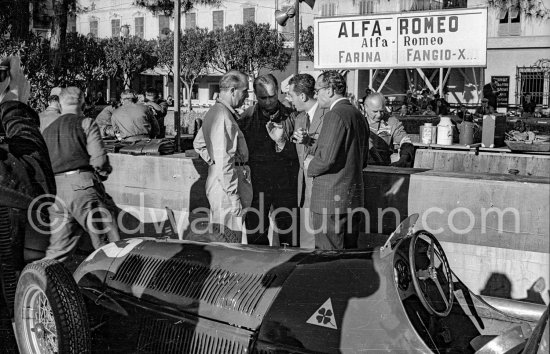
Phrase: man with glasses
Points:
(274, 173)
(337, 167)
(220, 142)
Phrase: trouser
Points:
(220, 203)
(307, 236)
(336, 231)
(274, 191)
(81, 205)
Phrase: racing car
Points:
(160, 295)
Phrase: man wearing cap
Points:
(133, 121)
(80, 163)
(220, 142)
(484, 109)
(52, 111)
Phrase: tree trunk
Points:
(59, 33)
(188, 89)
(126, 81)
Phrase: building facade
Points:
(518, 44)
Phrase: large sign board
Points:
(450, 38)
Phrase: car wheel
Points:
(50, 314)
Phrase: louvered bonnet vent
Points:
(234, 284)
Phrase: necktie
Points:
(307, 122)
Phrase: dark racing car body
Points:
(148, 295)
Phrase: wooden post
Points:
(297, 37)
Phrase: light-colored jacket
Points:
(221, 144)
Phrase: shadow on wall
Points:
(498, 285)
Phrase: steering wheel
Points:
(429, 267)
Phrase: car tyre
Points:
(50, 313)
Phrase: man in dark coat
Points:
(274, 174)
(25, 175)
(490, 92)
(337, 167)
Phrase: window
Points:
(509, 23)
(93, 28)
(138, 26)
(328, 9)
(164, 26)
(249, 14)
(190, 20)
(366, 7)
(422, 5)
(532, 80)
(455, 4)
(217, 20)
(115, 27)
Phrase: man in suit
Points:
(308, 124)
(337, 167)
(220, 142)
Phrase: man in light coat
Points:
(220, 142)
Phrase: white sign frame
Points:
(418, 39)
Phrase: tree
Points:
(127, 57)
(306, 43)
(167, 6)
(33, 52)
(61, 10)
(197, 47)
(14, 18)
(250, 48)
(81, 72)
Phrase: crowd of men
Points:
(299, 170)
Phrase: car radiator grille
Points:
(218, 287)
(165, 336)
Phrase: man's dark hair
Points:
(151, 91)
(334, 80)
(53, 98)
(266, 80)
(303, 83)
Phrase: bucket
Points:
(466, 130)
(445, 131)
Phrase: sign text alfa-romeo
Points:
(454, 38)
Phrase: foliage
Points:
(307, 43)
(14, 18)
(33, 52)
(197, 49)
(531, 8)
(249, 48)
(80, 72)
(166, 7)
(127, 57)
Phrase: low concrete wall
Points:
(495, 254)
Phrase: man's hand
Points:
(300, 136)
(276, 133)
(15, 87)
(236, 207)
